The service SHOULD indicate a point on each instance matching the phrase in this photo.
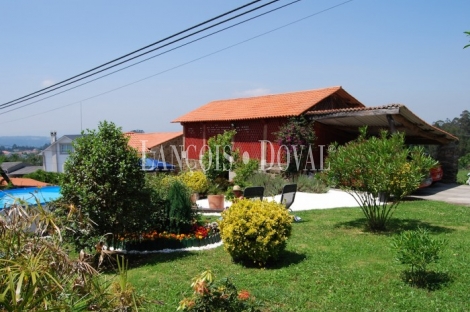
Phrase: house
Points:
(337, 115)
(23, 182)
(55, 155)
(157, 145)
(165, 146)
(18, 169)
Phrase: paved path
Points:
(450, 193)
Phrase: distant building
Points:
(55, 155)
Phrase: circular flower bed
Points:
(198, 237)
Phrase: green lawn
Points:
(331, 263)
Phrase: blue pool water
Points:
(43, 194)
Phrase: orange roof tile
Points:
(151, 139)
(24, 182)
(267, 106)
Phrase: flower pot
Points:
(216, 201)
(194, 197)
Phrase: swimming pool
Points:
(43, 194)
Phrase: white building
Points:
(55, 155)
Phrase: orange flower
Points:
(201, 288)
(244, 295)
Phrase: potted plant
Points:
(197, 182)
(216, 196)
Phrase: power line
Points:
(118, 70)
(186, 63)
(138, 50)
(63, 84)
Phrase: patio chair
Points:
(288, 197)
(254, 192)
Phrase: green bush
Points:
(181, 213)
(309, 184)
(245, 171)
(255, 231)
(222, 296)
(378, 172)
(44, 176)
(273, 184)
(417, 249)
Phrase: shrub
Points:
(378, 172)
(245, 171)
(298, 136)
(196, 181)
(311, 184)
(273, 184)
(44, 176)
(255, 231)
(181, 213)
(219, 157)
(222, 296)
(417, 249)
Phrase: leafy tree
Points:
(44, 176)
(298, 136)
(103, 181)
(378, 172)
(220, 156)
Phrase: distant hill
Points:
(35, 141)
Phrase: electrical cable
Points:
(138, 50)
(187, 43)
(23, 99)
(183, 64)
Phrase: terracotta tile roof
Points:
(152, 139)
(267, 106)
(24, 182)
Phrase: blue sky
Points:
(381, 52)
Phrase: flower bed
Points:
(199, 236)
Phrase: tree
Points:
(298, 136)
(104, 182)
(378, 172)
(220, 156)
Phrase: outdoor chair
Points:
(254, 192)
(288, 197)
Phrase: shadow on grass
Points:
(395, 225)
(287, 258)
(137, 260)
(430, 280)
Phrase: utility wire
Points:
(184, 64)
(118, 70)
(5, 105)
(138, 50)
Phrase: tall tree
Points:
(104, 182)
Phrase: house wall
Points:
(53, 159)
(166, 152)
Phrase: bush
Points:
(417, 249)
(44, 176)
(222, 296)
(255, 231)
(196, 181)
(378, 172)
(245, 171)
(181, 213)
(273, 184)
(309, 184)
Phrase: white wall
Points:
(54, 160)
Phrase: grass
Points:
(331, 263)
(462, 176)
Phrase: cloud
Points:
(47, 82)
(253, 92)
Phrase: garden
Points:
(113, 241)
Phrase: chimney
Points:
(53, 137)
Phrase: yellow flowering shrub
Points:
(195, 180)
(255, 231)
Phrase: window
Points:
(66, 148)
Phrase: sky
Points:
(381, 52)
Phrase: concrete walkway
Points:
(449, 193)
